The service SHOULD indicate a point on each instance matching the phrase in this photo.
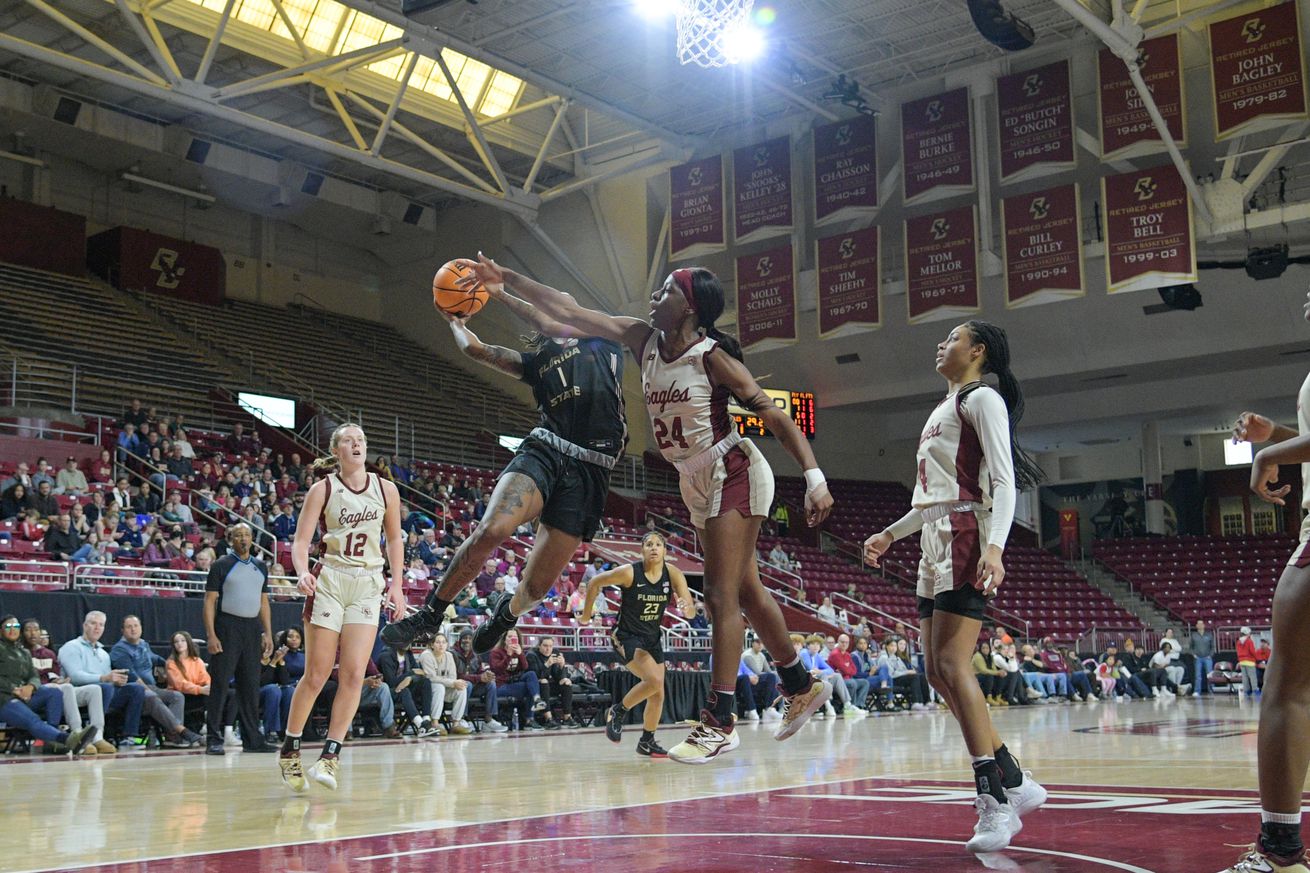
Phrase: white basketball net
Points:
(703, 26)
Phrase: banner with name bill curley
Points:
(1035, 120)
(1257, 71)
(1149, 242)
(846, 170)
(766, 299)
(937, 147)
(761, 190)
(847, 264)
(1126, 127)
(941, 265)
(1041, 240)
(696, 208)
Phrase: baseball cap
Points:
(1246, 630)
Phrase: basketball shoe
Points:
(292, 774)
(400, 634)
(1027, 796)
(797, 708)
(1256, 861)
(324, 772)
(997, 823)
(614, 723)
(489, 632)
(707, 741)
(651, 748)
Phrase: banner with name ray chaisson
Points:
(766, 299)
(1035, 120)
(1041, 239)
(1126, 127)
(941, 265)
(761, 190)
(697, 208)
(846, 170)
(1149, 241)
(1257, 71)
(847, 264)
(937, 147)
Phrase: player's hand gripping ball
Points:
(452, 299)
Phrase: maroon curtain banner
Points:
(766, 298)
(42, 237)
(1149, 241)
(1035, 118)
(845, 170)
(1257, 70)
(696, 208)
(1126, 128)
(847, 264)
(936, 146)
(1042, 243)
(941, 265)
(138, 260)
(761, 190)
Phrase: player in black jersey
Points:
(560, 474)
(648, 586)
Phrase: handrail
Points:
(88, 576)
(271, 556)
(686, 531)
(911, 631)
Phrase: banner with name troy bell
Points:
(1149, 241)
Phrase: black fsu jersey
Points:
(578, 386)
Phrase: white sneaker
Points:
(1255, 861)
(856, 712)
(751, 715)
(921, 707)
(1118, 698)
(1184, 689)
(324, 772)
(997, 823)
(494, 726)
(772, 714)
(829, 711)
(1027, 797)
(230, 737)
(704, 744)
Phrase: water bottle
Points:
(514, 719)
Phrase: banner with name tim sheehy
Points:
(847, 264)
(936, 147)
(1149, 240)
(941, 265)
(696, 208)
(761, 190)
(1257, 71)
(1041, 240)
(846, 170)
(1035, 119)
(1126, 127)
(766, 299)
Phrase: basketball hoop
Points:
(703, 26)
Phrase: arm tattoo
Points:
(759, 403)
(498, 358)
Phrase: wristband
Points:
(814, 478)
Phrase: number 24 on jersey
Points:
(668, 433)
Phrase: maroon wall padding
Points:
(138, 260)
(14, 449)
(41, 237)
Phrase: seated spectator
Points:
(78, 521)
(37, 642)
(410, 687)
(239, 442)
(285, 488)
(164, 706)
(481, 679)
(274, 685)
(1054, 662)
(121, 494)
(383, 465)
(577, 599)
(498, 594)
(1051, 685)
(43, 501)
(156, 553)
(1164, 661)
(283, 524)
(1124, 683)
(130, 446)
(107, 530)
(813, 660)
(71, 480)
(990, 677)
(294, 469)
(427, 548)
(131, 540)
(86, 662)
(102, 469)
(468, 603)
(93, 551)
(28, 705)
(779, 557)
(22, 476)
(135, 415)
(438, 664)
(1017, 690)
(485, 581)
(515, 682)
(43, 473)
(595, 568)
(61, 541)
(697, 622)
(826, 610)
(840, 660)
(266, 487)
(174, 511)
(376, 693)
(207, 477)
(1079, 677)
(451, 539)
(31, 526)
(177, 465)
(511, 578)
(147, 500)
(761, 684)
(183, 445)
(904, 679)
(1138, 663)
(552, 672)
(418, 571)
(46, 661)
(13, 503)
(189, 675)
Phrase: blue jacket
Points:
(139, 661)
(815, 661)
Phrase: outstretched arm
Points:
(1256, 428)
(540, 322)
(1264, 469)
(499, 358)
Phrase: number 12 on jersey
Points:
(355, 543)
(668, 433)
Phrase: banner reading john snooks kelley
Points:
(1257, 70)
(1148, 230)
(845, 170)
(761, 189)
(696, 208)
(941, 265)
(847, 265)
(1042, 243)
(766, 298)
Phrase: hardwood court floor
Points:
(1148, 786)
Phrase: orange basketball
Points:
(451, 298)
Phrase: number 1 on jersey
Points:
(669, 434)
(355, 543)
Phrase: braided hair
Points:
(997, 360)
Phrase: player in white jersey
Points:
(969, 471)
(1283, 748)
(689, 371)
(357, 509)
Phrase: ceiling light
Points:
(23, 159)
(743, 43)
(164, 186)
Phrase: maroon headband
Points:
(682, 278)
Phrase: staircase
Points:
(1147, 611)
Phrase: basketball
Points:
(451, 298)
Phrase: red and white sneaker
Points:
(707, 741)
(1256, 861)
(797, 708)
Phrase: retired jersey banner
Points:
(761, 189)
(1036, 122)
(1257, 70)
(941, 265)
(766, 299)
(696, 208)
(936, 147)
(1041, 239)
(1126, 127)
(847, 265)
(845, 170)
(1148, 230)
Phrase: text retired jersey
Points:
(352, 524)
(578, 386)
(641, 610)
(689, 414)
(1303, 427)
(952, 462)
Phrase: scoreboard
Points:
(799, 406)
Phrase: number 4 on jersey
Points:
(667, 435)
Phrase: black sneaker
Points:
(613, 725)
(215, 748)
(552, 725)
(400, 634)
(651, 748)
(534, 725)
(489, 632)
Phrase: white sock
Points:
(980, 759)
(1289, 818)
